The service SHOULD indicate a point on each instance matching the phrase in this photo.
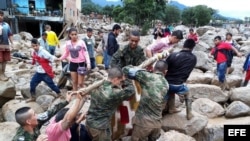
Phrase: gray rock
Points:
(214, 131)
(202, 46)
(241, 94)
(16, 37)
(179, 122)
(7, 91)
(200, 77)
(245, 49)
(26, 35)
(11, 106)
(202, 30)
(8, 130)
(237, 109)
(208, 37)
(44, 101)
(203, 62)
(41, 89)
(207, 107)
(232, 81)
(173, 135)
(211, 92)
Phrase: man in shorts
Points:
(5, 37)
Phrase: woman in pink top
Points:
(79, 58)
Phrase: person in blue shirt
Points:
(5, 37)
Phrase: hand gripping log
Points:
(150, 61)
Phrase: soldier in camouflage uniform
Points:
(148, 117)
(30, 123)
(104, 103)
(131, 54)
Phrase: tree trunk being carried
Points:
(148, 62)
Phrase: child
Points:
(246, 68)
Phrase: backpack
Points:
(227, 53)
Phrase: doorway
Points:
(32, 6)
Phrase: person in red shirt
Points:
(193, 35)
(220, 52)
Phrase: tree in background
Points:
(88, 7)
(172, 14)
(188, 16)
(143, 12)
(197, 16)
(203, 15)
(118, 13)
(108, 10)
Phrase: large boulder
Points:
(241, 94)
(211, 92)
(234, 31)
(183, 28)
(237, 64)
(232, 81)
(200, 77)
(237, 109)
(8, 130)
(207, 107)
(173, 135)
(203, 62)
(45, 101)
(25, 36)
(11, 106)
(208, 37)
(202, 46)
(245, 49)
(202, 30)
(179, 122)
(214, 131)
(7, 91)
(41, 89)
(16, 37)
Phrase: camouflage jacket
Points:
(22, 135)
(104, 103)
(128, 56)
(154, 88)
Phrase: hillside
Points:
(178, 5)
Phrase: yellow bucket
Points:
(98, 59)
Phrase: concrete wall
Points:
(79, 5)
(70, 11)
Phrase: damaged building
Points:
(32, 15)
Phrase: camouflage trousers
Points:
(145, 134)
(99, 134)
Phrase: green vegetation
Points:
(143, 12)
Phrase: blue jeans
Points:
(221, 71)
(92, 63)
(106, 59)
(52, 50)
(176, 89)
(38, 78)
